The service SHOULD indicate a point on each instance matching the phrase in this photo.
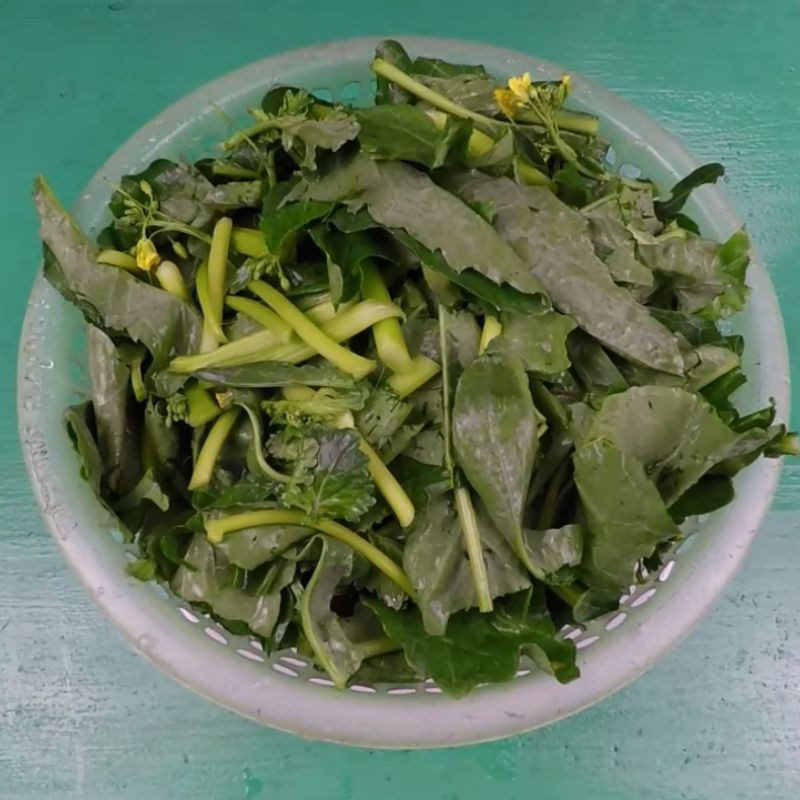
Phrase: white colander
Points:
(284, 690)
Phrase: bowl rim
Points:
(424, 720)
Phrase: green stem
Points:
(171, 280)
(387, 484)
(217, 272)
(388, 336)
(137, 381)
(567, 120)
(573, 121)
(529, 175)
(258, 449)
(202, 406)
(116, 258)
(233, 170)
(472, 542)
(428, 95)
(444, 346)
(216, 529)
(209, 340)
(549, 406)
(422, 370)
(550, 503)
(259, 313)
(342, 358)
(377, 647)
(262, 346)
(569, 594)
(248, 242)
(209, 452)
(491, 330)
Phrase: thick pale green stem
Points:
(342, 358)
(566, 120)
(259, 313)
(472, 543)
(388, 336)
(422, 370)
(229, 170)
(262, 346)
(171, 280)
(202, 406)
(529, 175)
(116, 258)
(387, 484)
(248, 242)
(217, 270)
(491, 330)
(209, 341)
(209, 452)
(216, 529)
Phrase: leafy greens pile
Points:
(409, 386)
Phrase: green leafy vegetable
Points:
(482, 648)
(437, 318)
(495, 440)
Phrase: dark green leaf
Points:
(407, 133)
(387, 92)
(596, 370)
(116, 437)
(111, 298)
(402, 198)
(554, 548)
(481, 648)
(77, 422)
(708, 494)
(553, 242)
(251, 547)
(705, 174)
(626, 518)
(436, 562)
(539, 341)
(272, 374)
(210, 579)
(436, 68)
(323, 628)
(674, 434)
(281, 224)
(382, 416)
(495, 439)
(594, 603)
(339, 486)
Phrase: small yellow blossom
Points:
(146, 255)
(506, 101)
(565, 82)
(521, 86)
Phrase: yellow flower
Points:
(146, 255)
(521, 86)
(565, 82)
(506, 101)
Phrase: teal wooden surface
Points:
(82, 717)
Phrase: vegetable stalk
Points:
(171, 280)
(491, 330)
(342, 358)
(211, 325)
(259, 313)
(209, 452)
(568, 121)
(116, 258)
(262, 346)
(422, 370)
(388, 337)
(248, 242)
(216, 529)
(217, 268)
(472, 543)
